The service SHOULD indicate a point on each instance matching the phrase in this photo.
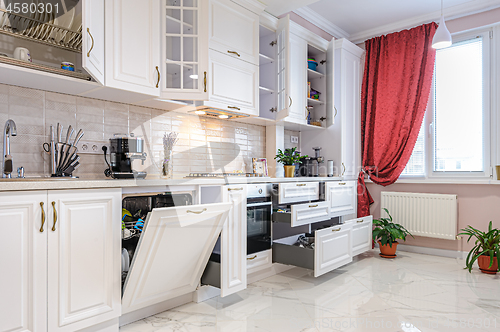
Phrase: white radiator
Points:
(429, 215)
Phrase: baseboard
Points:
(109, 326)
(155, 309)
(433, 251)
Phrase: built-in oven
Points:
(259, 217)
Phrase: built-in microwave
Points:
(259, 218)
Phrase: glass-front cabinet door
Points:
(185, 49)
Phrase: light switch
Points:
(294, 139)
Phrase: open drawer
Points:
(297, 192)
(361, 234)
(172, 252)
(303, 214)
(332, 249)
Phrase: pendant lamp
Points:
(442, 37)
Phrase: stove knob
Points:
(260, 191)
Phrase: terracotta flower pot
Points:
(387, 250)
(484, 263)
(289, 171)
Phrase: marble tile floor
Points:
(412, 293)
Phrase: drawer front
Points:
(361, 234)
(298, 192)
(233, 84)
(342, 197)
(333, 248)
(259, 261)
(303, 214)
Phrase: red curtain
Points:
(396, 88)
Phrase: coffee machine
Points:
(124, 150)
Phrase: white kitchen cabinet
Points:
(342, 197)
(184, 50)
(304, 214)
(133, 46)
(23, 281)
(361, 234)
(259, 261)
(93, 38)
(61, 273)
(83, 246)
(234, 31)
(297, 192)
(174, 249)
(233, 84)
(332, 249)
(298, 80)
(234, 242)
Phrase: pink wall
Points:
(477, 205)
(474, 21)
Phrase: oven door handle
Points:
(258, 204)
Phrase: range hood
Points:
(217, 113)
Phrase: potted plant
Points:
(486, 249)
(386, 233)
(288, 159)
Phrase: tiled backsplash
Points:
(205, 145)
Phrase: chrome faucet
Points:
(9, 130)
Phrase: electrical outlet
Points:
(294, 139)
(91, 147)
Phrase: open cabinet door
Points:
(93, 38)
(172, 253)
(283, 54)
(330, 86)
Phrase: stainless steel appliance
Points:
(124, 149)
(259, 217)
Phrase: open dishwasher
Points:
(166, 244)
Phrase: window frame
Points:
(488, 141)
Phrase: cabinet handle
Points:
(335, 108)
(342, 183)
(251, 258)
(196, 212)
(291, 102)
(234, 107)
(205, 81)
(92, 46)
(231, 189)
(43, 217)
(300, 184)
(343, 169)
(313, 206)
(233, 52)
(336, 230)
(158, 82)
(55, 216)
(360, 221)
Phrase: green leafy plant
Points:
(289, 157)
(487, 244)
(387, 231)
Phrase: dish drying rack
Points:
(40, 32)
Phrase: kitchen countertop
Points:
(61, 183)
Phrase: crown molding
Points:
(312, 38)
(255, 6)
(269, 21)
(321, 22)
(450, 14)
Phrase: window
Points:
(454, 139)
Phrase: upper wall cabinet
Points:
(234, 30)
(184, 51)
(93, 38)
(132, 46)
(304, 92)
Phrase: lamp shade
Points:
(442, 37)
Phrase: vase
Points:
(167, 164)
(289, 171)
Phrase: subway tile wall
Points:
(204, 145)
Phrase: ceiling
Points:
(360, 18)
